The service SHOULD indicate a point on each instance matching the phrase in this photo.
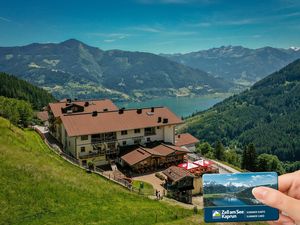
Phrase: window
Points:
(149, 131)
(137, 141)
(82, 149)
(124, 142)
(148, 139)
(124, 132)
(84, 137)
(158, 128)
(137, 131)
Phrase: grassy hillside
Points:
(38, 187)
(13, 87)
(267, 115)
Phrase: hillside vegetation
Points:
(74, 69)
(13, 87)
(267, 115)
(38, 187)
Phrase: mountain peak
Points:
(295, 48)
(71, 42)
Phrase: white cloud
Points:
(109, 40)
(147, 29)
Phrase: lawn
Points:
(38, 187)
(147, 188)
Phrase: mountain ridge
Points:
(74, 69)
(267, 115)
(239, 64)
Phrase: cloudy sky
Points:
(158, 26)
(243, 179)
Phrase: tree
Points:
(252, 157)
(232, 157)
(267, 162)
(249, 158)
(219, 151)
(205, 148)
(245, 158)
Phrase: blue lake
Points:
(181, 106)
(228, 201)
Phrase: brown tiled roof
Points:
(112, 121)
(185, 139)
(43, 115)
(175, 173)
(164, 150)
(142, 153)
(135, 156)
(94, 105)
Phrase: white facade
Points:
(84, 149)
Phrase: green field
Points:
(38, 187)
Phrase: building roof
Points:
(111, 121)
(135, 156)
(43, 115)
(175, 173)
(165, 149)
(185, 139)
(142, 153)
(93, 105)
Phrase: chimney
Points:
(178, 135)
(152, 109)
(86, 104)
(159, 119)
(121, 111)
(139, 111)
(165, 120)
(69, 100)
(94, 113)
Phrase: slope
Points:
(13, 87)
(72, 68)
(38, 187)
(239, 64)
(267, 115)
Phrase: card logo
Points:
(216, 214)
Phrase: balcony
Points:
(92, 155)
(150, 131)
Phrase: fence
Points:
(123, 181)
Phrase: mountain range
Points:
(243, 66)
(267, 115)
(74, 69)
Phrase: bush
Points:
(158, 175)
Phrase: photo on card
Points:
(228, 197)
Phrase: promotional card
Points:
(228, 197)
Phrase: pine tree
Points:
(245, 158)
(219, 151)
(252, 157)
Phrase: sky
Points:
(157, 26)
(243, 179)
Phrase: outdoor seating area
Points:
(199, 167)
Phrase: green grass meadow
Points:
(38, 187)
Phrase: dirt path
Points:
(153, 180)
